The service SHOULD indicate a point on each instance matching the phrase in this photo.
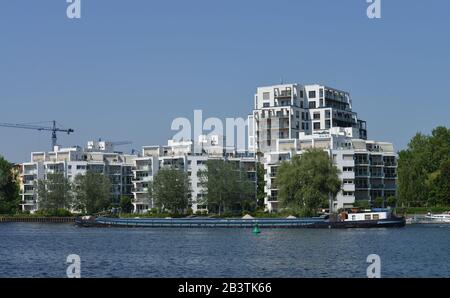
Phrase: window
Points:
(367, 217)
(297, 114)
(307, 125)
(312, 94)
(266, 95)
(327, 124)
(348, 181)
(266, 104)
(348, 193)
(321, 93)
(347, 169)
(316, 116)
(327, 114)
(376, 216)
(316, 125)
(301, 93)
(312, 105)
(303, 125)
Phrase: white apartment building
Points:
(367, 168)
(285, 111)
(290, 118)
(287, 119)
(97, 156)
(180, 155)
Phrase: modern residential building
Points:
(97, 156)
(285, 111)
(287, 120)
(290, 118)
(180, 155)
(367, 168)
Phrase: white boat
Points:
(442, 218)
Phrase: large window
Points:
(316, 125)
(312, 105)
(316, 116)
(312, 94)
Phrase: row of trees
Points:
(9, 189)
(227, 188)
(89, 193)
(424, 170)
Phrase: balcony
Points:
(142, 169)
(139, 189)
(284, 94)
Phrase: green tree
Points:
(92, 192)
(227, 186)
(364, 204)
(391, 201)
(307, 182)
(126, 204)
(379, 202)
(54, 193)
(421, 169)
(171, 190)
(9, 189)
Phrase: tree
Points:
(379, 202)
(54, 193)
(421, 169)
(126, 204)
(227, 186)
(92, 192)
(391, 201)
(307, 182)
(171, 190)
(363, 204)
(9, 189)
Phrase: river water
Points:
(40, 250)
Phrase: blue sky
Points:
(126, 69)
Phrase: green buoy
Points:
(256, 229)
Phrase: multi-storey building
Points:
(287, 120)
(367, 168)
(73, 161)
(285, 111)
(180, 155)
(290, 118)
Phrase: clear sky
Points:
(126, 69)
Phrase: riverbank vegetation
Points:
(424, 170)
(307, 182)
(9, 189)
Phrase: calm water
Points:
(40, 250)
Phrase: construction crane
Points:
(54, 129)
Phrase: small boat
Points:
(346, 219)
(438, 218)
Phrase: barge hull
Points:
(261, 223)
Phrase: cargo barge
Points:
(372, 219)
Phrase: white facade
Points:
(367, 168)
(75, 161)
(180, 155)
(290, 118)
